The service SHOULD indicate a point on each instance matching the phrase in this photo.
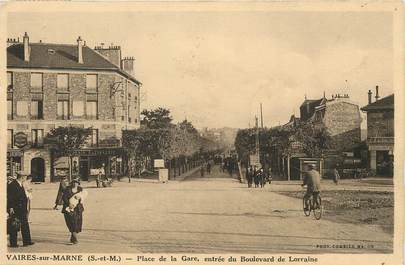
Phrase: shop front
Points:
(14, 161)
(88, 163)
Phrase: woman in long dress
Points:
(73, 218)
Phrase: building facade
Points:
(380, 133)
(52, 85)
(342, 120)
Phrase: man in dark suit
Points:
(17, 205)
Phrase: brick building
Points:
(52, 85)
(380, 133)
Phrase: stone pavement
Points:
(213, 214)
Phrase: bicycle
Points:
(315, 206)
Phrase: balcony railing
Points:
(380, 140)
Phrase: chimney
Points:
(79, 50)
(112, 54)
(370, 94)
(26, 41)
(127, 64)
(376, 93)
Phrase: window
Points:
(91, 82)
(37, 136)
(63, 81)
(91, 110)
(78, 108)
(10, 138)
(9, 80)
(63, 110)
(36, 110)
(22, 108)
(129, 114)
(36, 80)
(9, 109)
(94, 137)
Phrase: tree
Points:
(156, 119)
(314, 137)
(63, 140)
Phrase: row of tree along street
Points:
(306, 138)
(179, 144)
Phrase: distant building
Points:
(380, 133)
(342, 119)
(52, 85)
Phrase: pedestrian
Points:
(336, 175)
(99, 179)
(269, 178)
(202, 170)
(28, 192)
(208, 168)
(262, 180)
(249, 176)
(62, 186)
(256, 176)
(73, 217)
(17, 206)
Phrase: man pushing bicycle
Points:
(313, 181)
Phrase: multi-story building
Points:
(342, 120)
(380, 133)
(52, 85)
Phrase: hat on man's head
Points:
(19, 175)
(76, 180)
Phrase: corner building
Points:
(53, 85)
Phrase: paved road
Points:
(214, 214)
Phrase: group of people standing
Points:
(205, 167)
(257, 176)
(19, 195)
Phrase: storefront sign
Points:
(20, 139)
(96, 152)
(159, 163)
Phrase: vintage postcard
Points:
(202, 132)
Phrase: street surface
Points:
(213, 214)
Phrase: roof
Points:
(312, 102)
(63, 57)
(386, 103)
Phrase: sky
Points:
(215, 68)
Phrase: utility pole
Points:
(257, 137)
(261, 115)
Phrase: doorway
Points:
(38, 169)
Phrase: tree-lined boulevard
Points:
(211, 214)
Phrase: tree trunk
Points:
(70, 168)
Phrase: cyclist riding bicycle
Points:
(313, 181)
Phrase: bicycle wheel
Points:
(317, 207)
(308, 211)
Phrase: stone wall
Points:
(380, 123)
(342, 120)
